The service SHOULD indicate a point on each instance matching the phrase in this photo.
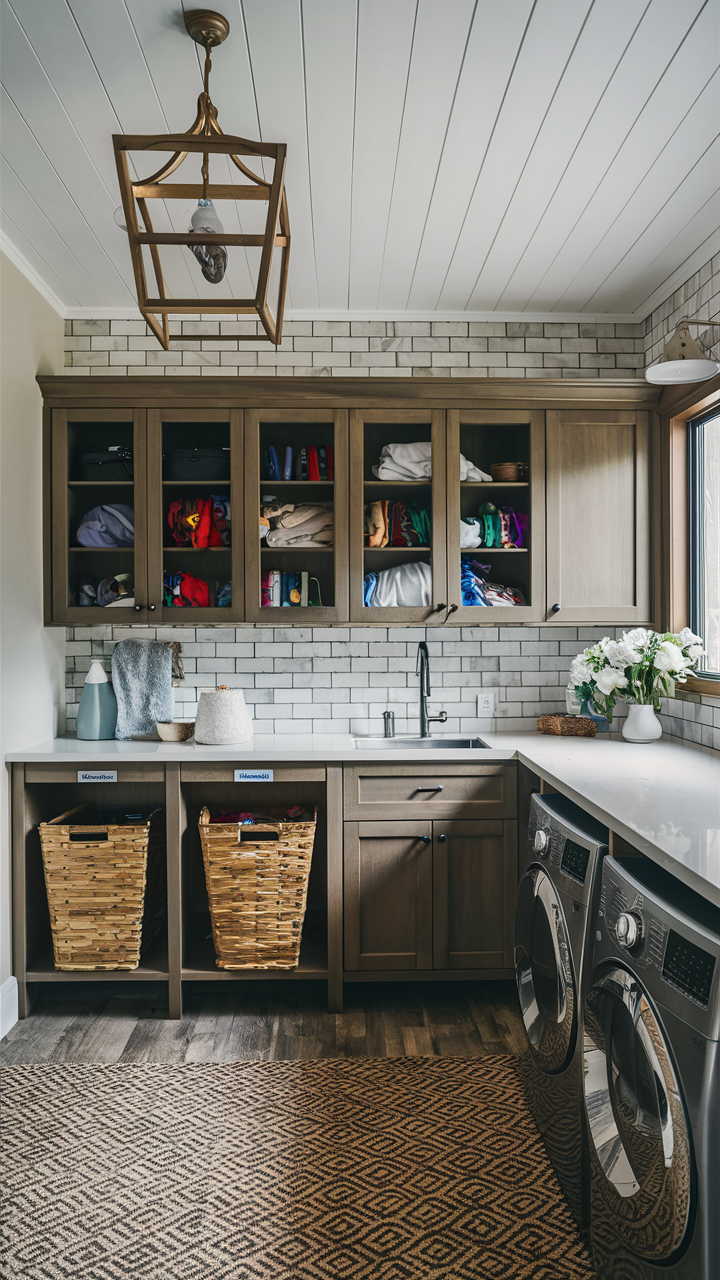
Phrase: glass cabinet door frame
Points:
(296, 614)
(160, 614)
(75, 615)
(478, 615)
(436, 612)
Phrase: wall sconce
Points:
(683, 360)
(205, 237)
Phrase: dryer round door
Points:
(544, 973)
(639, 1136)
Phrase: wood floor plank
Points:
(261, 1020)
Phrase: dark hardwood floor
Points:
(99, 1023)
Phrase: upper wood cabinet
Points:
(573, 529)
(78, 484)
(598, 517)
(309, 451)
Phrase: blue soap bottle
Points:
(97, 713)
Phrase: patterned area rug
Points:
(365, 1169)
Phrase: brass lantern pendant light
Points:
(205, 236)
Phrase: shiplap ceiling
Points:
(444, 156)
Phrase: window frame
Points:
(696, 488)
(676, 408)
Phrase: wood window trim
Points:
(677, 406)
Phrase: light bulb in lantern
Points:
(212, 257)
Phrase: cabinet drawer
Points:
(67, 772)
(220, 771)
(396, 791)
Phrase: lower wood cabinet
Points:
(429, 895)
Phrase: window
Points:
(704, 514)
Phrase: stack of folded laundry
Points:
(306, 524)
(477, 589)
(404, 585)
(495, 527)
(396, 524)
(414, 462)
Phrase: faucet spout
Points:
(422, 669)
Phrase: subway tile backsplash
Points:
(341, 679)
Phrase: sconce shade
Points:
(205, 140)
(682, 360)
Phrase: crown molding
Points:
(18, 259)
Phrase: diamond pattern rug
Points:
(365, 1169)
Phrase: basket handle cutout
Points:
(88, 837)
(249, 834)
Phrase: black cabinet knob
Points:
(556, 608)
(452, 608)
(425, 839)
(138, 608)
(151, 608)
(442, 839)
(439, 607)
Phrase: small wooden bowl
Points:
(175, 730)
(508, 472)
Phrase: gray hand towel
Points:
(142, 680)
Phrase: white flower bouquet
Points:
(642, 667)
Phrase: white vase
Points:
(641, 724)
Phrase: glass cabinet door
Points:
(195, 509)
(98, 481)
(397, 476)
(496, 530)
(296, 526)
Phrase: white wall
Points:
(31, 656)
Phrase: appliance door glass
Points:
(640, 1145)
(543, 969)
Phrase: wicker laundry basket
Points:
(257, 880)
(96, 875)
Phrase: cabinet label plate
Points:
(254, 775)
(97, 775)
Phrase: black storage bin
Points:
(113, 463)
(197, 464)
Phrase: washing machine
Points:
(555, 905)
(652, 1078)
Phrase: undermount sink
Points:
(378, 743)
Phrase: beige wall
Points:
(31, 656)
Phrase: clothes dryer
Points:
(556, 901)
(652, 1078)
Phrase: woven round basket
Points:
(508, 472)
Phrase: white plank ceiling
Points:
(448, 157)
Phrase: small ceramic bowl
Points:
(175, 730)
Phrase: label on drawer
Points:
(97, 775)
(254, 775)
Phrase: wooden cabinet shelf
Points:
(584, 509)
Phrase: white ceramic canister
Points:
(222, 717)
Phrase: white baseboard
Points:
(8, 1005)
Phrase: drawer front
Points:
(401, 792)
(69, 772)
(222, 771)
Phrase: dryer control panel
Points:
(556, 837)
(677, 956)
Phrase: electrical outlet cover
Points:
(486, 704)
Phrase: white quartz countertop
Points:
(664, 798)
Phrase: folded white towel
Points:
(414, 462)
(408, 585)
(470, 534)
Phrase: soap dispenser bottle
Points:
(97, 713)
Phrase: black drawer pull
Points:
(437, 788)
(425, 839)
(442, 839)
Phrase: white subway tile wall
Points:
(341, 679)
(396, 348)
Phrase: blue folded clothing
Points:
(111, 525)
